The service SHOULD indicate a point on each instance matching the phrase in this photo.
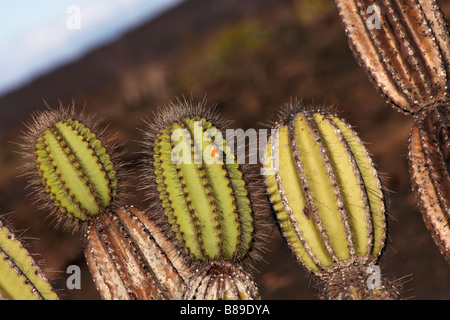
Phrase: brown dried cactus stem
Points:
(407, 55)
(429, 162)
(222, 279)
(130, 258)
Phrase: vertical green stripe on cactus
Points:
(89, 161)
(174, 197)
(20, 277)
(218, 180)
(237, 217)
(60, 176)
(371, 182)
(321, 187)
(200, 193)
(243, 205)
(354, 197)
(12, 282)
(297, 206)
(100, 151)
(71, 174)
(278, 206)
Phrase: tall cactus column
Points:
(201, 197)
(328, 202)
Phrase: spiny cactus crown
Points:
(72, 169)
(206, 202)
(327, 196)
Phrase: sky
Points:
(37, 36)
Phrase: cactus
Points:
(328, 200)
(76, 175)
(200, 194)
(130, 258)
(21, 278)
(430, 167)
(407, 57)
(204, 225)
(70, 170)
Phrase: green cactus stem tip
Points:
(199, 189)
(71, 170)
(327, 196)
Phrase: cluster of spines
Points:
(206, 203)
(327, 196)
(221, 280)
(21, 278)
(354, 283)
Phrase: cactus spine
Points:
(21, 278)
(200, 194)
(327, 196)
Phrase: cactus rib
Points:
(130, 258)
(21, 278)
(429, 167)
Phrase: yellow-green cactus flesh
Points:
(76, 171)
(202, 190)
(20, 277)
(326, 193)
